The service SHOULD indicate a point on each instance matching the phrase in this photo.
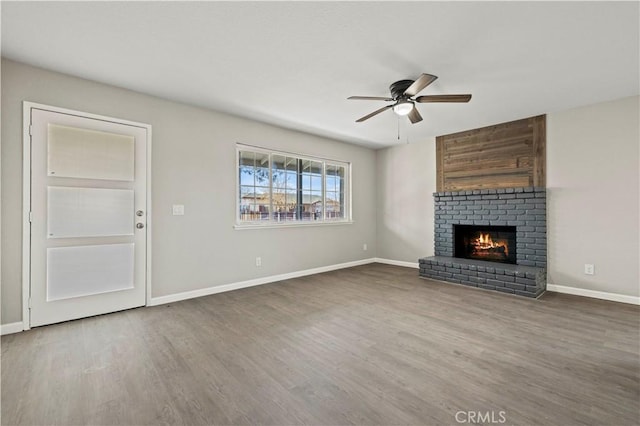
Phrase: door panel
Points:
(89, 270)
(89, 212)
(88, 246)
(84, 153)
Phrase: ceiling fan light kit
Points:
(403, 94)
(403, 107)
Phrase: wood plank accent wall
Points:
(505, 155)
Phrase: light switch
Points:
(178, 210)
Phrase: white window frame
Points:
(348, 218)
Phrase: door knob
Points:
(139, 225)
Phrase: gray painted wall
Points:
(193, 163)
(593, 196)
(406, 183)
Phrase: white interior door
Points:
(88, 216)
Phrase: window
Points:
(280, 188)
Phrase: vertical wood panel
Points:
(499, 156)
(539, 151)
(439, 164)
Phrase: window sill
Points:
(246, 226)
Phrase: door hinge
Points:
(29, 303)
(30, 128)
(30, 217)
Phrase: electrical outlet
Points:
(258, 261)
(589, 269)
(364, 247)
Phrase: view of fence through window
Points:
(281, 188)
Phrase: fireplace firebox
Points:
(490, 243)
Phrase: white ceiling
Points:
(293, 64)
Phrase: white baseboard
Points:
(14, 327)
(250, 283)
(614, 297)
(397, 262)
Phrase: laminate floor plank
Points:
(370, 345)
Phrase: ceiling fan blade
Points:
(423, 81)
(376, 112)
(370, 98)
(414, 116)
(443, 98)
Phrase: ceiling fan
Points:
(403, 94)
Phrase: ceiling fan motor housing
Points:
(398, 88)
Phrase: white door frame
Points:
(26, 198)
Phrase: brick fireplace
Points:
(507, 249)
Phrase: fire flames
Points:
(485, 243)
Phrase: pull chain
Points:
(407, 133)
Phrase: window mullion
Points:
(270, 189)
(342, 196)
(299, 193)
(324, 190)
